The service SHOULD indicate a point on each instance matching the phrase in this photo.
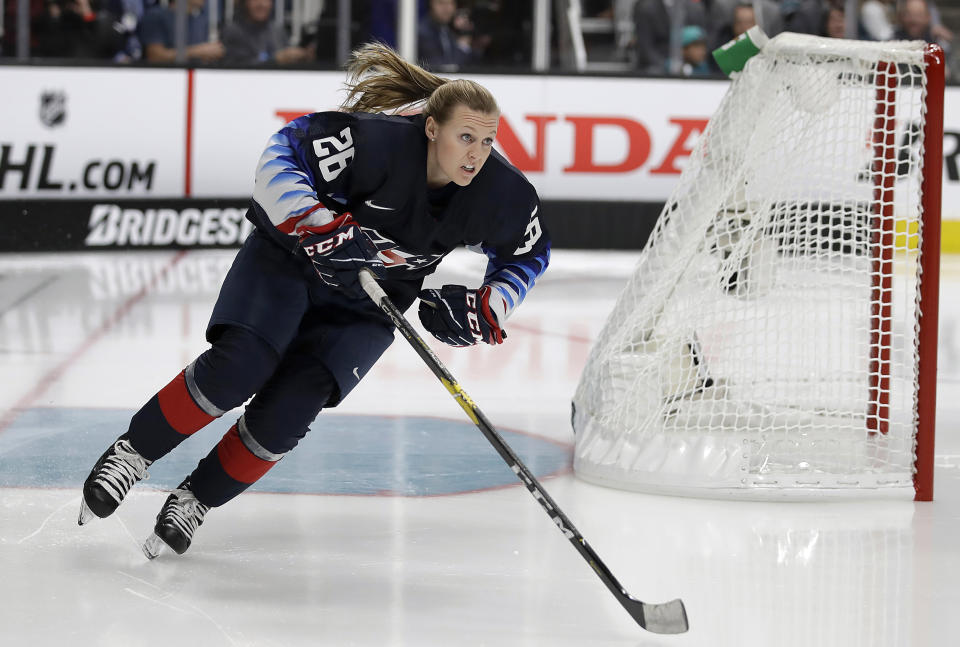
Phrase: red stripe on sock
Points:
(238, 461)
(179, 409)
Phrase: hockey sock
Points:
(274, 422)
(236, 463)
(220, 379)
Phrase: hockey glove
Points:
(460, 317)
(338, 252)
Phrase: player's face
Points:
(458, 148)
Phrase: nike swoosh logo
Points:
(370, 204)
(355, 369)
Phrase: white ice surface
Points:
(481, 568)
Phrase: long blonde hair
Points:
(379, 80)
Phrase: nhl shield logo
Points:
(53, 108)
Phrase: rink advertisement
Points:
(82, 132)
(582, 141)
(70, 225)
(176, 223)
(576, 138)
(554, 129)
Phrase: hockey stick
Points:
(667, 618)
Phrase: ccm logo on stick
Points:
(325, 246)
(543, 501)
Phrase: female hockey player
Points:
(336, 192)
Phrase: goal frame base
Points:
(902, 491)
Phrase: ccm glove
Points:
(339, 251)
(460, 317)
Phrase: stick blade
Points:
(667, 618)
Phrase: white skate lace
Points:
(185, 512)
(121, 470)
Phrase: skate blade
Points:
(86, 514)
(153, 546)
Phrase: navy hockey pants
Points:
(277, 334)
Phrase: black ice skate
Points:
(179, 518)
(110, 480)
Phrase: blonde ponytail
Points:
(379, 80)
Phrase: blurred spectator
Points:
(501, 32)
(74, 29)
(914, 19)
(940, 31)
(834, 20)
(919, 20)
(313, 14)
(128, 14)
(254, 38)
(695, 61)
(879, 20)
(803, 16)
(443, 36)
(876, 19)
(723, 13)
(156, 32)
(741, 19)
(653, 24)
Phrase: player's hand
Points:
(460, 317)
(338, 252)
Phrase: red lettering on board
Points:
(290, 115)
(679, 148)
(514, 150)
(638, 145)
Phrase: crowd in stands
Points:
(708, 24)
(452, 34)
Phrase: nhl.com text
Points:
(30, 168)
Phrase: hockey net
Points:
(778, 335)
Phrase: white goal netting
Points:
(766, 344)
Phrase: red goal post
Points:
(930, 255)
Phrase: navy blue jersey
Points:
(374, 166)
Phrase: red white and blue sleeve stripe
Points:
(511, 279)
(285, 191)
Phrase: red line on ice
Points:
(57, 372)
